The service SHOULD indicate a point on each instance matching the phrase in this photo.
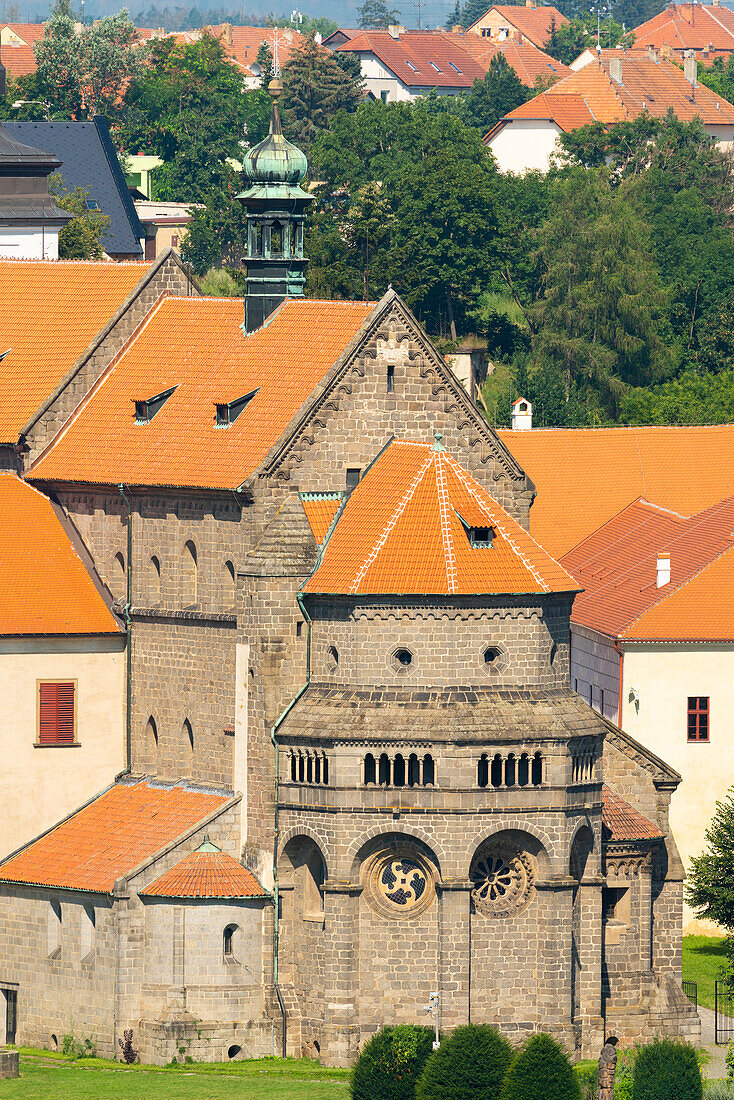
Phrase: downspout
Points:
(621, 670)
(276, 837)
(128, 644)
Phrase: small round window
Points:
(493, 659)
(401, 659)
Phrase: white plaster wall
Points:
(525, 145)
(34, 243)
(38, 786)
(664, 677)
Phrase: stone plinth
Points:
(9, 1060)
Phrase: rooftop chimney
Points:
(652, 53)
(522, 415)
(395, 30)
(663, 571)
(716, 3)
(615, 69)
(690, 68)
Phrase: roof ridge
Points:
(443, 506)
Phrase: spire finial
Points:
(275, 89)
(438, 446)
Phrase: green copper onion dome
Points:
(275, 160)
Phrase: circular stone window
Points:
(402, 659)
(399, 884)
(494, 659)
(503, 881)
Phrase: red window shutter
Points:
(56, 714)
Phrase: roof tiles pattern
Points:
(44, 585)
(320, 509)
(206, 875)
(689, 26)
(530, 63)
(422, 59)
(621, 821)
(586, 476)
(44, 325)
(567, 111)
(110, 837)
(534, 23)
(617, 565)
(197, 347)
(701, 610)
(403, 530)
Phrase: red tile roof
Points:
(403, 530)
(701, 610)
(586, 476)
(110, 837)
(620, 821)
(44, 586)
(617, 565)
(206, 875)
(530, 63)
(689, 26)
(18, 57)
(534, 23)
(567, 111)
(647, 85)
(320, 509)
(42, 323)
(420, 59)
(196, 346)
(243, 43)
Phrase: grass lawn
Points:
(45, 1076)
(703, 958)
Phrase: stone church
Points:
(356, 772)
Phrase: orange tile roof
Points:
(617, 565)
(422, 59)
(585, 476)
(243, 43)
(529, 62)
(50, 311)
(701, 610)
(44, 586)
(401, 532)
(647, 85)
(689, 26)
(18, 55)
(206, 875)
(197, 346)
(110, 837)
(567, 111)
(620, 821)
(533, 23)
(320, 509)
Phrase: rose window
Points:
(403, 882)
(398, 884)
(502, 882)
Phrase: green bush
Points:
(587, 1077)
(541, 1068)
(470, 1065)
(667, 1070)
(391, 1063)
(718, 1090)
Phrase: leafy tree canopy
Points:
(315, 88)
(377, 15)
(666, 1069)
(500, 92)
(541, 1062)
(710, 885)
(568, 40)
(391, 1063)
(470, 1065)
(82, 238)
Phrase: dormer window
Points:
(481, 536)
(146, 410)
(228, 413)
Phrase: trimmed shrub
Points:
(541, 1068)
(391, 1063)
(667, 1070)
(470, 1065)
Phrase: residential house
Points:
(399, 65)
(242, 45)
(16, 47)
(166, 225)
(533, 66)
(705, 29)
(526, 22)
(620, 86)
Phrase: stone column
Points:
(341, 972)
(454, 962)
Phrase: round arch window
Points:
(503, 879)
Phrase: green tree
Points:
(567, 41)
(470, 1065)
(541, 1059)
(665, 1069)
(391, 1063)
(719, 77)
(315, 88)
(710, 885)
(85, 73)
(83, 237)
(500, 92)
(473, 10)
(376, 15)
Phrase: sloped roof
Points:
(403, 530)
(420, 59)
(206, 875)
(196, 346)
(89, 160)
(529, 62)
(567, 111)
(689, 26)
(701, 610)
(532, 22)
(243, 43)
(586, 476)
(647, 85)
(43, 322)
(111, 836)
(620, 821)
(616, 565)
(320, 509)
(45, 587)
(18, 56)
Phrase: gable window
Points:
(146, 410)
(698, 717)
(481, 537)
(390, 377)
(56, 717)
(227, 413)
(353, 475)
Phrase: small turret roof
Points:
(275, 167)
(15, 155)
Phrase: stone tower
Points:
(276, 210)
